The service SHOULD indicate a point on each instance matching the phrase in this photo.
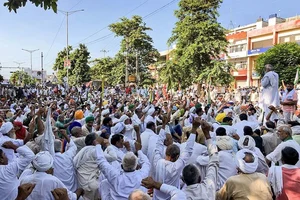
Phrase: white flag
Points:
(296, 77)
(48, 137)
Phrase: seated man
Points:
(285, 179)
(10, 171)
(119, 186)
(43, 179)
(248, 184)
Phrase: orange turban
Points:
(78, 115)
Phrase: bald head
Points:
(269, 67)
(139, 195)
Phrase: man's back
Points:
(44, 184)
(246, 187)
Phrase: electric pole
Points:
(42, 67)
(67, 13)
(30, 51)
(136, 67)
(127, 62)
(104, 52)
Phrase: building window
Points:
(297, 38)
(262, 44)
(237, 48)
(241, 65)
(287, 39)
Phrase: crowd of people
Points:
(140, 144)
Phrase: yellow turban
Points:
(78, 115)
(220, 117)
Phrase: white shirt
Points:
(174, 192)
(8, 173)
(20, 118)
(64, 168)
(275, 156)
(121, 185)
(145, 140)
(10, 154)
(172, 169)
(44, 184)
(198, 150)
(114, 156)
(227, 167)
(240, 126)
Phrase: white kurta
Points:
(270, 142)
(145, 136)
(227, 167)
(239, 127)
(275, 156)
(10, 154)
(172, 169)
(198, 150)
(121, 185)
(87, 171)
(64, 167)
(8, 173)
(44, 184)
(270, 94)
(174, 192)
(114, 156)
(207, 188)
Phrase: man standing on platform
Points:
(270, 94)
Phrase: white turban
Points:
(192, 110)
(105, 112)
(228, 110)
(6, 127)
(224, 142)
(151, 111)
(123, 118)
(119, 127)
(43, 161)
(247, 168)
(244, 145)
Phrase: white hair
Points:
(139, 195)
(129, 162)
(287, 129)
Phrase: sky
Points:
(34, 28)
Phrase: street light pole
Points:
(30, 51)
(67, 13)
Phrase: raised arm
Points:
(158, 152)
(109, 172)
(144, 161)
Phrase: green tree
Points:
(103, 69)
(14, 5)
(79, 71)
(219, 74)
(21, 78)
(136, 43)
(285, 59)
(199, 38)
(1, 78)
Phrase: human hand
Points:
(136, 128)
(60, 194)
(9, 145)
(149, 183)
(127, 145)
(138, 146)
(25, 190)
(98, 140)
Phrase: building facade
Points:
(248, 42)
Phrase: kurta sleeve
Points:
(265, 81)
(174, 192)
(23, 161)
(275, 156)
(187, 152)
(210, 180)
(145, 164)
(71, 149)
(109, 172)
(110, 154)
(158, 152)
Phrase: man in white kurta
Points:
(119, 185)
(44, 182)
(146, 135)
(166, 171)
(270, 94)
(64, 167)
(9, 172)
(87, 171)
